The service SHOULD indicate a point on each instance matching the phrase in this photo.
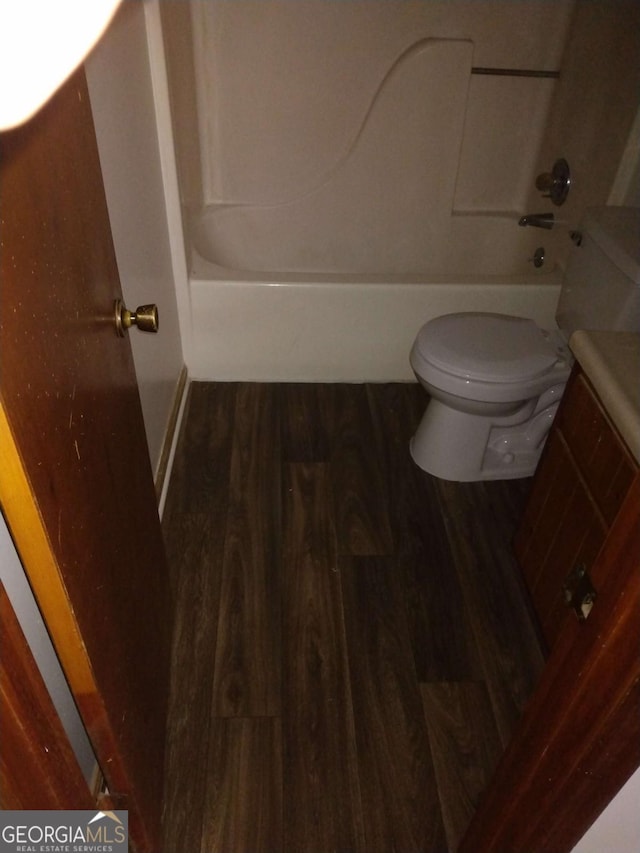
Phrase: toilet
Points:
(495, 381)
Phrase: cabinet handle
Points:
(579, 592)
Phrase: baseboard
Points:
(163, 471)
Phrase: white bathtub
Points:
(325, 270)
(336, 327)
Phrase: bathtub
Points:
(287, 325)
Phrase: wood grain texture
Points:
(69, 391)
(360, 496)
(305, 436)
(545, 512)
(243, 807)
(322, 809)
(195, 548)
(38, 768)
(247, 676)
(499, 617)
(194, 527)
(581, 482)
(601, 772)
(602, 457)
(299, 479)
(200, 472)
(465, 746)
(398, 786)
(431, 588)
(553, 779)
(576, 543)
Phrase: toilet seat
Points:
(494, 382)
(486, 347)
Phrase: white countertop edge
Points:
(611, 361)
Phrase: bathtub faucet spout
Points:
(537, 220)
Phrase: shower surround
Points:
(347, 173)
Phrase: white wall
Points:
(617, 830)
(122, 100)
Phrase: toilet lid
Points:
(493, 347)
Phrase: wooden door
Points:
(579, 738)
(38, 768)
(75, 481)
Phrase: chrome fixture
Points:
(556, 183)
(537, 220)
(538, 257)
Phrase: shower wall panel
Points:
(179, 57)
(504, 128)
(384, 206)
(284, 87)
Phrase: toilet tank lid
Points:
(489, 347)
(616, 230)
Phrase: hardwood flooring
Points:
(352, 645)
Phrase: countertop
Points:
(611, 361)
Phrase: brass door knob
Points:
(145, 317)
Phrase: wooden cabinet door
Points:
(583, 478)
(560, 530)
(76, 485)
(579, 737)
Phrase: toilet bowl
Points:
(495, 381)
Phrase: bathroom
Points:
(327, 327)
(243, 330)
(284, 111)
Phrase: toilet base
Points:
(463, 447)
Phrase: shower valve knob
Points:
(556, 183)
(538, 257)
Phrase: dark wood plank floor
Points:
(352, 645)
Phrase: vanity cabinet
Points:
(580, 484)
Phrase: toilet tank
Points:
(601, 287)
